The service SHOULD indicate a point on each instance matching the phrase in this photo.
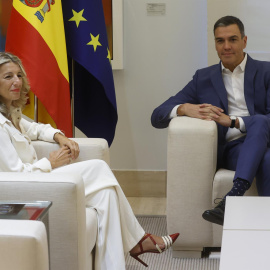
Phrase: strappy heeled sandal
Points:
(168, 241)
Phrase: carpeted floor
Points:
(157, 225)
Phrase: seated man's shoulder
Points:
(207, 70)
(262, 69)
(262, 64)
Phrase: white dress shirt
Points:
(17, 152)
(234, 84)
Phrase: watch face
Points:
(233, 117)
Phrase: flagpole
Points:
(36, 109)
(72, 98)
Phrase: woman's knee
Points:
(100, 163)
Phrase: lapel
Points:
(250, 72)
(217, 81)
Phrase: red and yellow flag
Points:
(36, 35)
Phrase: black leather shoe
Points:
(216, 215)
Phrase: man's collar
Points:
(242, 65)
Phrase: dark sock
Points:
(240, 186)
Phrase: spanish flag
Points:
(36, 35)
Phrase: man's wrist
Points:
(180, 110)
(232, 124)
(237, 123)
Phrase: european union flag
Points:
(95, 111)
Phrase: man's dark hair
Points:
(229, 20)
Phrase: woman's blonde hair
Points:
(6, 57)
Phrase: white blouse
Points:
(17, 153)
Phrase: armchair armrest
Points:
(191, 158)
(90, 148)
(67, 220)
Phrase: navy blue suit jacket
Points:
(207, 87)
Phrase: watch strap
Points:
(233, 123)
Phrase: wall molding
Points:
(142, 183)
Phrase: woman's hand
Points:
(60, 157)
(64, 141)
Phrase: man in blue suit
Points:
(236, 95)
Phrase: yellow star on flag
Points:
(77, 17)
(109, 55)
(94, 41)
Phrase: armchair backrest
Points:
(94, 148)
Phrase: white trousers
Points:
(118, 229)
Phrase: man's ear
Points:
(245, 41)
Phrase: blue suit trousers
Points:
(249, 156)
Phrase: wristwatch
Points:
(233, 119)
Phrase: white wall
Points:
(161, 54)
(256, 19)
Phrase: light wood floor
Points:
(148, 205)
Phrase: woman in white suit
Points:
(118, 228)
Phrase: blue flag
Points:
(95, 111)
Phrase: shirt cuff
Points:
(242, 126)
(43, 164)
(173, 113)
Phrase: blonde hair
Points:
(6, 57)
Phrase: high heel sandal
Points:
(168, 241)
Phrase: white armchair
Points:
(72, 226)
(193, 184)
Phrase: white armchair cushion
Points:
(223, 183)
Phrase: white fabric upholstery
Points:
(23, 245)
(193, 184)
(71, 245)
(93, 148)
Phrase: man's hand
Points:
(226, 121)
(202, 111)
(60, 157)
(223, 120)
(64, 141)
